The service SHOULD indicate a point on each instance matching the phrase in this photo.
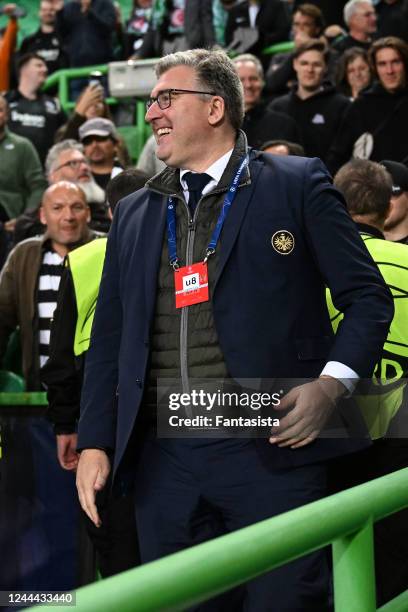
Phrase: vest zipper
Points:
(185, 382)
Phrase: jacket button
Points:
(139, 383)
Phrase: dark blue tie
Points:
(195, 183)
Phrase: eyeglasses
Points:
(164, 97)
(74, 164)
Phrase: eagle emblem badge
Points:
(283, 242)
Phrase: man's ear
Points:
(41, 215)
(216, 110)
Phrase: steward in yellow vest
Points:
(86, 269)
(367, 187)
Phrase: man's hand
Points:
(10, 225)
(311, 405)
(66, 451)
(92, 95)
(92, 473)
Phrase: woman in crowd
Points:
(354, 72)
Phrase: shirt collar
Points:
(216, 170)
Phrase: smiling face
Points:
(252, 83)
(65, 213)
(182, 130)
(358, 74)
(390, 69)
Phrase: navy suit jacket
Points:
(269, 308)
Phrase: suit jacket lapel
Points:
(235, 218)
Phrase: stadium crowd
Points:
(338, 92)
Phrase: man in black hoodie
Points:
(317, 108)
(377, 119)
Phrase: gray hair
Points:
(55, 151)
(214, 70)
(248, 57)
(351, 7)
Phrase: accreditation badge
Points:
(191, 285)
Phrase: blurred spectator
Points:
(316, 108)
(46, 42)
(354, 72)
(67, 162)
(307, 24)
(100, 140)
(89, 105)
(396, 223)
(333, 32)
(282, 147)
(361, 19)
(332, 9)
(177, 25)
(22, 180)
(375, 126)
(392, 18)
(259, 122)
(86, 28)
(137, 25)
(8, 39)
(33, 114)
(269, 19)
(30, 278)
(148, 161)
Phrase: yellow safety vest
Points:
(86, 264)
(386, 394)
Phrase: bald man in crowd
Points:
(34, 268)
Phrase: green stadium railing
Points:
(135, 135)
(282, 47)
(344, 520)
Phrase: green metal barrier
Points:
(189, 577)
(283, 47)
(135, 135)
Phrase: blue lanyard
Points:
(171, 219)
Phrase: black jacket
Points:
(198, 29)
(272, 22)
(87, 37)
(383, 115)
(318, 117)
(63, 372)
(261, 125)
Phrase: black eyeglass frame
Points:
(152, 99)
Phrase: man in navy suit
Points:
(272, 231)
